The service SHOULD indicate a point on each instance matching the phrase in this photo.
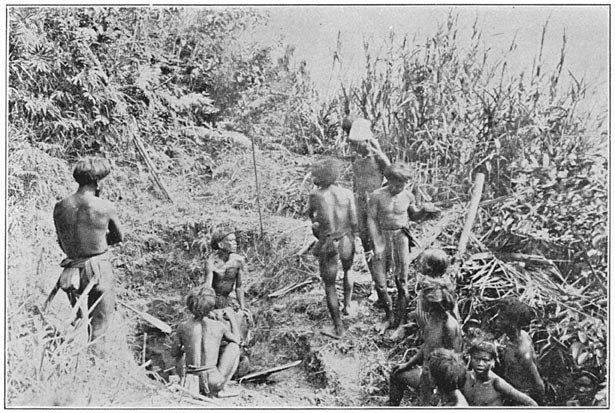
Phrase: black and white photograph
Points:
(278, 206)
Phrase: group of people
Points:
(379, 213)
(207, 347)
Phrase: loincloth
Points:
(211, 381)
(327, 246)
(78, 272)
(387, 244)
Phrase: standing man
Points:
(368, 166)
(86, 225)
(390, 210)
(334, 222)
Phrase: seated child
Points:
(433, 265)
(197, 344)
(447, 372)
(519, 362)
(485, 388)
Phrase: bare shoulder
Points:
(237, 258)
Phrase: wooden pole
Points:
(258, 197)
(148, 161)
(472, 211)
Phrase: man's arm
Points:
(239, 284)
(414, 212)
(177, 352)
(533, 368)
(56, 211)
(382, 160)
(114, 235)
(414, 361)
(508, 391)
(354, 220)
(311, 213)
(209, 272)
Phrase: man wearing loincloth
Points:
(198, 346)
(368, 166)
(86, 226)
(389, 210)
(224, 273)
(334, 223)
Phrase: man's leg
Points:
(328, 273)
(101, 305)
(346, 251)
(228, 362)
(402, 264)
(379, 276)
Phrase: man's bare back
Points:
(82, 223)
(332, 210)
(85, 227)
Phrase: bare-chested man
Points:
(334, 222)
(224, 273)
(519, 357)
(368, 166)
(390, 209)
(197, 344)
(440, 331)
(485, 388)
(86, 225)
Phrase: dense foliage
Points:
(83, 80)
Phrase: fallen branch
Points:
(433, 235)
(325, 333)
(289, 288)
(156, 322)
(267, 372)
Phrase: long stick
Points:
(258, 196)
(473, 209)
(151, 167)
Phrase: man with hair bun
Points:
(86, 226)
(197, 344)
(334, 223)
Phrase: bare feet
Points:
(350, 309)
(228, 391)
